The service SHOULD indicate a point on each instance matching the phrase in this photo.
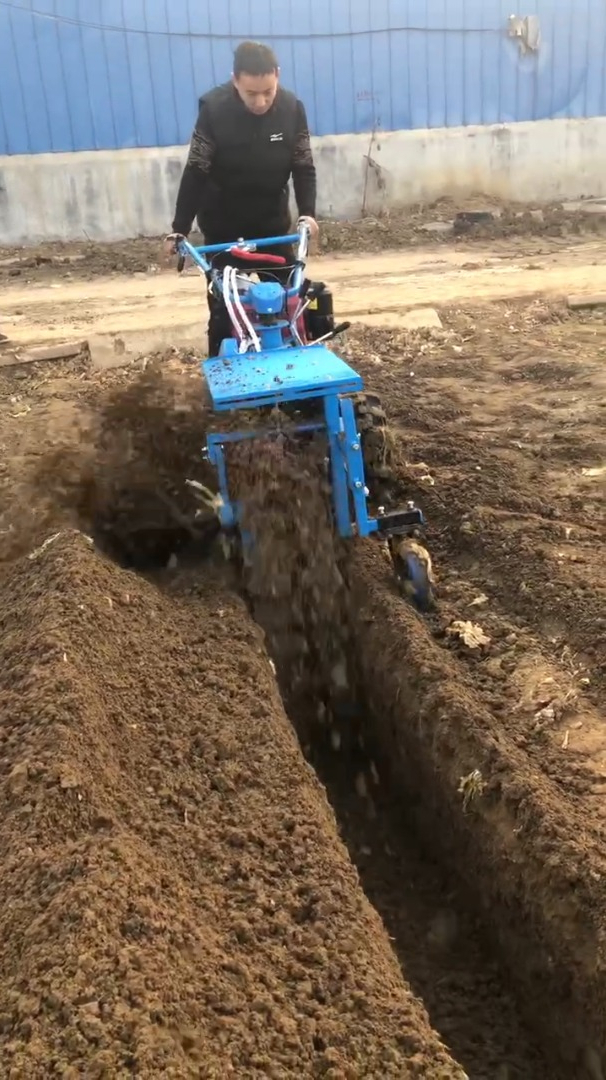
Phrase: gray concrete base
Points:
(113, 195)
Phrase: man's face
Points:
(258, 92)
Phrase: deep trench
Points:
(442, 946)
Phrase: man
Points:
(250, 138)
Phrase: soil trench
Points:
(296, 584)
(198, 838)
(342, 641)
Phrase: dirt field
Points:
(175, 900)
(501, 428)
(175, 895)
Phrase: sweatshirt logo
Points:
(278, 137)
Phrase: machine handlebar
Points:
(224, 282)
(251, 245)
(250, 250)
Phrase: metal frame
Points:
(349, 491)
(266, 371)
(300, 238)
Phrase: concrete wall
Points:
(111, 195)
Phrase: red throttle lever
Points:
(257, 257)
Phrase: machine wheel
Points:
(413, 569)
(372, 426)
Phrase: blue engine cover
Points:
(267, 297)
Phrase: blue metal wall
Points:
(102, 74)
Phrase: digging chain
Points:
(376, 443)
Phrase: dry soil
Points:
(176, 898)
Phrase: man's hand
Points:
(170, 243)
(170, 250)
(312, 225)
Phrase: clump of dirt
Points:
(174, 899)
(125, 482)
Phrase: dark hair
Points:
(253, 58)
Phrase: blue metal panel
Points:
(104, 74)
(14, 128)
(74, 119)
(25, 41)
(280, 375)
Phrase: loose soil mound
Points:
(508, 474)
(126, 482)
(174, 900)
(535, 866)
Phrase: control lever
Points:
(340, 329)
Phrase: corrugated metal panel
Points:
(103, 74)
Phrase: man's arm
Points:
(303, 168)
(195, 174)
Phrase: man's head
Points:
(255, 76)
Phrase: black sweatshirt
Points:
(237, 172)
